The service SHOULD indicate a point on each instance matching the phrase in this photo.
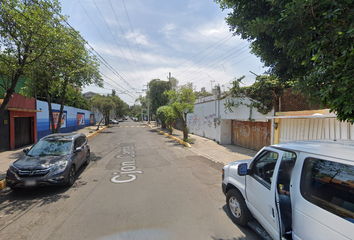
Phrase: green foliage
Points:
(135, 111)
(104, 104)
(121, 108)
(262, 94)
(27, 28)
(170, 118)
(182, 103)
(202, 94)
(155, 94)
(308, 41)
(160, 113)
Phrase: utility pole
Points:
(169, 80)
(147, 99)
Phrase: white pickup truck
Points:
(294, 190)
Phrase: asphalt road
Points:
(139, 185)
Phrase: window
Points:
(78, 143)
(263, 168)
(50, 147)
(329, 185)
(285, 170)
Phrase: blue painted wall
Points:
(71, 122)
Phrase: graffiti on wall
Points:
(56, 119)
(80, 119)
(92, 119)
(209, 120)
(194, 122)
(261, 131)
(253, 135)
(244, 130)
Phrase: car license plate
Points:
(30, 183)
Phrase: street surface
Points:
(139, 185)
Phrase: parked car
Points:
(121, 120)
(113, 121)
(295, 190)
(53, 160)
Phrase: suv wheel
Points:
(72, 176)
(239, 212)
(88, 158)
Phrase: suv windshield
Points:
(51, 147)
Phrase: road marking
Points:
(127, 167)
(131, 126)
(126, 126)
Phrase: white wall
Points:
(315, 128)
(201, 122)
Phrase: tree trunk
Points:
(184, 126)
(62, 101)
(9, 92)
(49, 101)
(98, 127)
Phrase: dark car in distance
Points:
(53, 160)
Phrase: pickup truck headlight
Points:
(223, 174)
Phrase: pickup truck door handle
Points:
(273, 215)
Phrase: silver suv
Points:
(294, 190)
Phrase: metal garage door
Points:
(252, 135)
(23, 131)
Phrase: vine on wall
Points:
(263, 94)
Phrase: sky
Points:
(140, 40)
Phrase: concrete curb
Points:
(3, 181)
(174, 138)
(2, 184)
(93, 134)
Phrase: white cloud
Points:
(139, 37)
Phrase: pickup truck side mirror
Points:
(242, 169)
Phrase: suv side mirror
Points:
(25, 150)
(79, 149)
(242, 169)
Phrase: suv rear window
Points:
(329, 185)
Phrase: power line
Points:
(201, 52)
(102, 60)
(205, 56)
(104, 40)
(135, 38)
(115, 41)
(126, 40)
(213, 61)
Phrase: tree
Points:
(170, 116)
(65, 63)
(160, 113)
(27, 29)
(105, 105)
(121, 108)
(155, 94)
(262, 94)
(310, 42)
(182, 103)
(135, 111)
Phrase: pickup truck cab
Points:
(294, 190)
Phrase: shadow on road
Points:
(250, 234)
(25, 198)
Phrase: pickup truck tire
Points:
(239, 212)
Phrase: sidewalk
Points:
(7, 157)
(212, 150)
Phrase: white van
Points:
(294, 190)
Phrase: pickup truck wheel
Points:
(239, 213)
